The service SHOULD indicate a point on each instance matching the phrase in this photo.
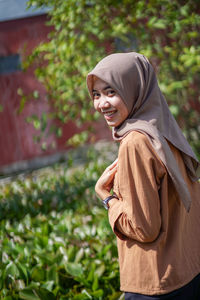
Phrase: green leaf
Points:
(37, 124)
(79, 255)
(95, 285)
(160, 24)
(98, 293)
(48, 285)
(44, 294)
(174, 110)
(23, 271)
(38, 274)
(59, 132)
(84, 295)
(91, 272)
(74, 269)
(81, 297)
(36, 94)
(100, 270)
(44, 146)
(19, 284)
(52, 274)
(28, 294)
(12, 270)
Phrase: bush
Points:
(167, 32)
(56, 242)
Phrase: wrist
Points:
(112, 201)
(103, 194)
(106, 201)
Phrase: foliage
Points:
(85, 30)
(55, 239)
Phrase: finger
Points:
(113, 165)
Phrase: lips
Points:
(109, 114)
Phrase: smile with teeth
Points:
(109, 114)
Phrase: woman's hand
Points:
(105, 182)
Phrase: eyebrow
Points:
(104, 89)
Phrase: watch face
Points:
(105, 204)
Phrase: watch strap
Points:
(105, 201)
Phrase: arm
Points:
(105, 182)
(136, 215)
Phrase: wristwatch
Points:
(105, 201)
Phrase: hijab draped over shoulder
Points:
(133, 78)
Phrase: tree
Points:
(167, 32)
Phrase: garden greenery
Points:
(55, 239)
(167, 32)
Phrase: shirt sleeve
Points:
(136, 215)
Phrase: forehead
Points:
(99, 84)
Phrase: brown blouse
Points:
(158, 240)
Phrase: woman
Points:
(154, 209)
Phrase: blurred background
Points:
(55, 240)
(46, 50)
(30, 136)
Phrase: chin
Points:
(114, 124)
(111, 124)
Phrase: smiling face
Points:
(108, 102)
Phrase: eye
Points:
(95, 95)
(111, 93)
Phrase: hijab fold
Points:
(133, 78)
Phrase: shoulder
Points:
(138, 145)
(137, 157)
(135, 139)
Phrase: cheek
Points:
(122, 108)
(96, 105)
(125, 113)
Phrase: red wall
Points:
(16, 135)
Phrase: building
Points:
(20, 31)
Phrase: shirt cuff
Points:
(114, 212)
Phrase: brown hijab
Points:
(133, 77)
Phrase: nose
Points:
(104, 103)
